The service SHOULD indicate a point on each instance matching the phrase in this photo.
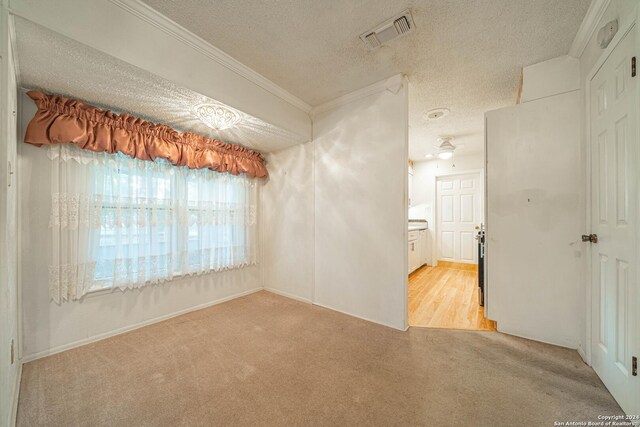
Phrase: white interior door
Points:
(614, 212)
(459, 211)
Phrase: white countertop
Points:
(418, 227)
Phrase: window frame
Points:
(105, 285)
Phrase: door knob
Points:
(593, 238)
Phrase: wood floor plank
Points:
(458, 265)
(444, 297)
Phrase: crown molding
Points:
(155, 18)
(392, 84)
(588, 26)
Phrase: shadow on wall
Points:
(360, 208)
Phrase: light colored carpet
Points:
(268, 360)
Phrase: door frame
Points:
(625, 27)
(435, 249)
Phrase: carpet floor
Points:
(268, 360)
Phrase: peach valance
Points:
(62, 120)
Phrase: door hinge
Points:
(633, 66)
(13, 353)
(593, 238)
(634, 366)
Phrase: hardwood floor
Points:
(446, 297)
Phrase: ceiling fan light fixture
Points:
(445, 154)
(446, 148)
(217, 116)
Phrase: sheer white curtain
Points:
(125, 223)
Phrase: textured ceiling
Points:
(464, 55)
(56, 64)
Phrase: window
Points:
(144, 222)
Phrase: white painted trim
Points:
(313, 213)
(288, 295)
(405, 307)
(19, 218)
(155, 18)
(16, 397)
(14, 49)
(84, 341)
(470, 171)
(537, 340)
(582, 354)
(588, 271)
(588, 27)
(485, 182)
(392, 83)
(624, 29)
(261, 238)
(360, 317)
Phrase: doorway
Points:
(446, 294)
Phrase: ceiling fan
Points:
(445, 148)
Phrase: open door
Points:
(615, 333)
(534, 256)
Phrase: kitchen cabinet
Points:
(414, 256)
(418, 249)
(425, 247)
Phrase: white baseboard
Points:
(582, 354)
(64, 347)
(575, 348)
(15, 396)
(288, 295)
(308, 301)
(402, 329)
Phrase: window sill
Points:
(105, 291)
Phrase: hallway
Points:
(446, 297)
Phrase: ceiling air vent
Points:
(371, 41)
(402, 25)
(388, 30)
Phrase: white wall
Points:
(49, 327)
(551, 77)
(361, 207)
(9, 371)
(287, 212)
(424, 188)
(335, 209)
(535, 207)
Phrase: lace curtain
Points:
(119, 222)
